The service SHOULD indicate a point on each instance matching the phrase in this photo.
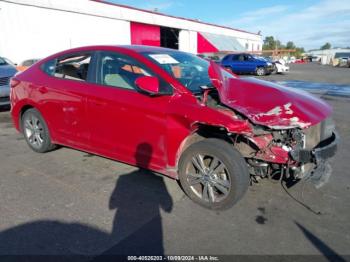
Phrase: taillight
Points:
(14, 82)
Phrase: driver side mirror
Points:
(148, 84)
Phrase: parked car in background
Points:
(280, 66)
(343, 61)
(25, 64)
(247, 64)
(176, 114)
(292, 60)
(313, 58)
(7, 70)
(300, 61)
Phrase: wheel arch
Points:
(18, 110)
(202, 132)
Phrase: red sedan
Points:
(176, 114)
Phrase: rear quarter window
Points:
(49, 67)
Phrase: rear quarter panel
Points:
(27, 94)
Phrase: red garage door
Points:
(204, 46)
(143, 34)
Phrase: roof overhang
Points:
(211, 43)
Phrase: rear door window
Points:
(73, 67)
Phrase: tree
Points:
(326, 46)
(299, 51)
(269, 43)
(290, 45)
(279, 45)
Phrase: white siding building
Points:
(38, 28)
(326, 56)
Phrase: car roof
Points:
(144, 48)
(135, 48)
(130, 48)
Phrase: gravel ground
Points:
(69, 202)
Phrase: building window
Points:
(247, 46)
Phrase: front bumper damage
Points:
(318, 160)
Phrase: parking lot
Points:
(71, 202)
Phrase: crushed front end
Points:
(292, 154)
(293, 135)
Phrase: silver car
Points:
(7, 70)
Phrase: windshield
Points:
(2, 61)
(189, 69)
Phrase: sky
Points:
(308, 23)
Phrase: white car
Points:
(281, 67)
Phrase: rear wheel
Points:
(35, 131)
(260, 71)
(213, 174)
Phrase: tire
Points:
(260, 71)
(36, 132)
(226, 186)
(275, 70)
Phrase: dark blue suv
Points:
(246, 63)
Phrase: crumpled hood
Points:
(269, 104)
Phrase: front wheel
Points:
(260, 71)
(213, 174)
(275, 69)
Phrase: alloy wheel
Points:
(260, 71)
(34, 131)
(208, 178)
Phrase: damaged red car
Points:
(176, 114)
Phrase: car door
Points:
(126, 124)
(238, 63)
(63, 98)
(249, 64)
